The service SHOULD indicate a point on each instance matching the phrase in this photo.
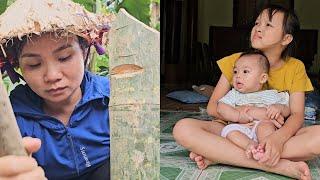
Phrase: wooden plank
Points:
(134, 51)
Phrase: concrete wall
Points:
(213, 12)
(220, 13)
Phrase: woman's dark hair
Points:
(291, 25)
(84, 45)
(17, 46)
(13, 51)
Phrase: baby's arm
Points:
(258, 113)
(230, 113)
(274, 110)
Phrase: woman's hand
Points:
(31, 144)
(273, 146)
(22, 167)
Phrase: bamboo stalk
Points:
(134, 52)
(10, 137)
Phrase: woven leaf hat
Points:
(29, 17)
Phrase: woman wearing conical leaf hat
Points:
(61, 103)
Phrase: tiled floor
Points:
(175, 163)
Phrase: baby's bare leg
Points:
(243, 141)
(264, 129)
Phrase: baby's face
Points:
(247, 74)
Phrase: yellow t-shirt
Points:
(291, 77)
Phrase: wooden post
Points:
(10, 137)
(134, 51)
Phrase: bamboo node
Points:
(126, 70)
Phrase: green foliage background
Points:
(139, 9)
(3, 5)
(88, 4)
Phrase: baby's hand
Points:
(243, 115)
(249, 125)
(273, 111)
(278, 122)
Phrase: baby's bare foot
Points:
(258, 153)
(250, 148)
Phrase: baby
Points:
(249, 80)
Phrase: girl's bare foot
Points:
(301, 171)
(202, 162)
(297, 170)
(305, 173)
(193, 155)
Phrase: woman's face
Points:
(53, 67)
(268, 34)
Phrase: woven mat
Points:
(175, 163)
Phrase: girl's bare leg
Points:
(305, 145)
(212, 127)
(200, 138)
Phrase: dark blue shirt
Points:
(72, 150)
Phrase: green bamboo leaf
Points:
(10, 2)
(140, 9)
(90, 5)
(3, 6)
(98, 6)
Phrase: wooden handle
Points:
(10, 137)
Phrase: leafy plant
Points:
(100, 64)
(3, 6)
(10, 2)
(140, 9)
(8, 84)
(90, 5)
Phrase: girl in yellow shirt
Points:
(273, 33)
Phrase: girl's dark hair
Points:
(291, 25)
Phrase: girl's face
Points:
(266, 34)
(248, 75)
(53, 67)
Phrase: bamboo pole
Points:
(10, 137)
(134, 51)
